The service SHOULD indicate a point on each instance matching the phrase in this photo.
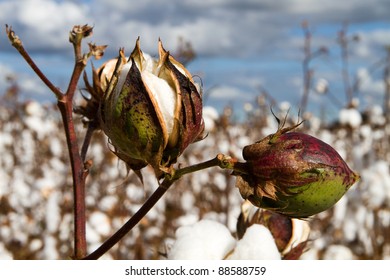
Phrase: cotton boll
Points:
(108, 202)
(322, 86)
(326, 136)
(350, 117)
(4, 254)
(219, 180)
(256, 244)
(40, 126)
(300, 233)
(187, 201)
(210, 116)
(53, 212)
(187, 220)
(311, 254)
(365, 131)
(338, 252)
(384, 217)
(100, 222)
(376, 116)
(36, 244)
(50, 247)
(340, 211)
(224, 146)
(34, 108)
(166, 102)
(350, 229)
(56, 147)
(205, 240)
(376, 184)
(93, 236)
(284, 106)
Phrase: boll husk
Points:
(151, 109)
(291, 235)
(293, 174)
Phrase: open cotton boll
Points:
(338, 252)
(162, 92)
(256, 244)
(164, 95)
(376, 182)
(122, 78)
(351, 117)
(210, 116)
(205, 240)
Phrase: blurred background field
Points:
(36, 193)
(325, 62)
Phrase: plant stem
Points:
(17, 44)
(87, 140)
(65, 105)
(79, 171)
(223, 161)
(133, 221)
(79, 176)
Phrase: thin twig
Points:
(223, 161)
(78, 169)
(133, 221)
(17, 43)
(87, 140)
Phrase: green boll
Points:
(293, 174)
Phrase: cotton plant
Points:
(151, 111)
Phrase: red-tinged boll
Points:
(294, 174)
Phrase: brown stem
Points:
(87, 140)
(223, 161)
(132, 222)
(65, 105)
(79, 175)
(17, 44)
(79, 172)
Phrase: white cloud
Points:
(369, 84)
(213, 27)
(30, 86)
(229, 93)
(44, 24)
(269, 30)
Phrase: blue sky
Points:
(241, 45)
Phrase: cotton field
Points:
(198, 218)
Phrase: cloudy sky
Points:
(241, 46)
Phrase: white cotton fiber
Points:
(256, 244)
(338, 252)
(205, 240)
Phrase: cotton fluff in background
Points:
(376, 184)
(338, 252)
(210, 117)
(351, 117)
(205, 240)
(256, 244)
